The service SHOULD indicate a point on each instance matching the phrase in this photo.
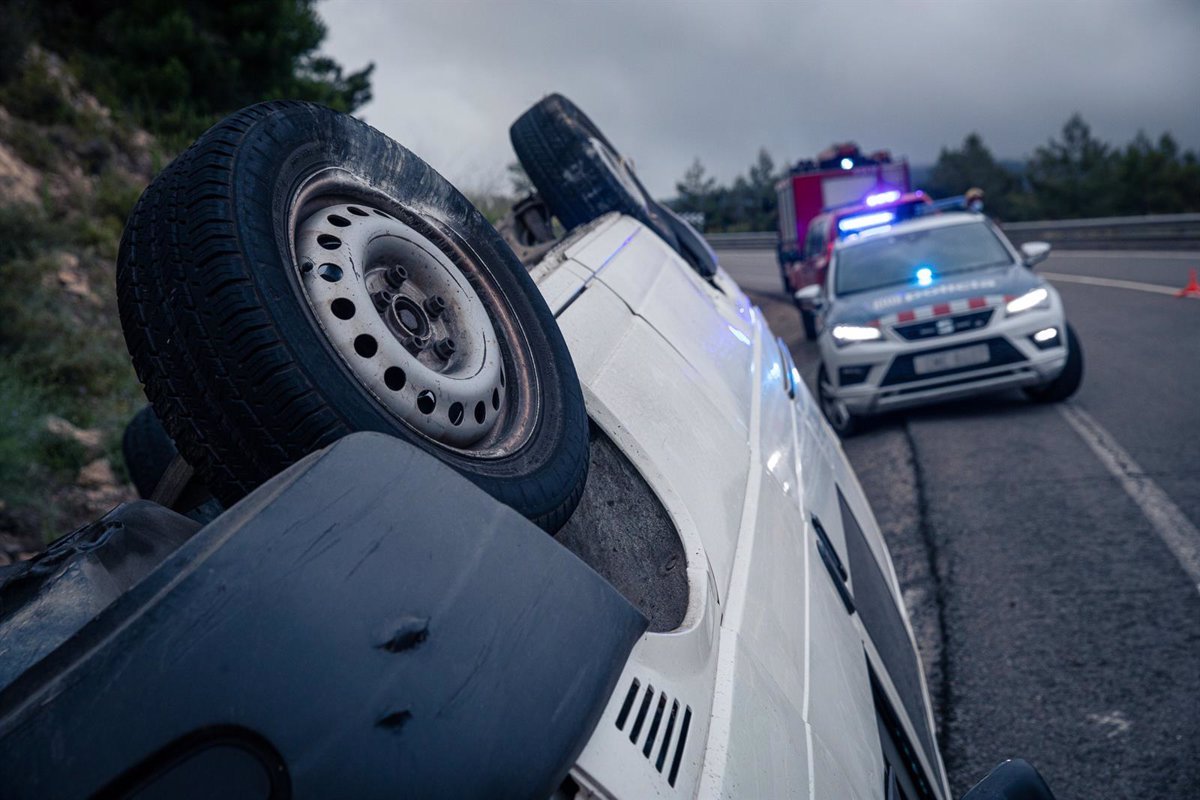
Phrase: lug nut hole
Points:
(426, 402)
(394, 378)
(365, 345)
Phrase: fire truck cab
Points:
(816, 195)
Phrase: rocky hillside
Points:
(70, 170)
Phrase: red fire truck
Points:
(839, 179)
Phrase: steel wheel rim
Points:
(484, 399)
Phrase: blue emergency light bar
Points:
(883, 198)
(863, 221)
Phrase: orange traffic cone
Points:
(1193, 287)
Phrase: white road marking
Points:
(1112, 282)
(812, 777)
(1176, 530)
(1115, 722)
(1170, 255)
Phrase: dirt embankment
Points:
(70, 170)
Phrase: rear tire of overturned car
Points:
(577, 171)
(1067, 382)
(147, 450)
(296, 275)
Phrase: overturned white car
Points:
(383, 391)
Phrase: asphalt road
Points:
(1056, 622)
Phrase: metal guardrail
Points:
(1152, 232)
(742, 241)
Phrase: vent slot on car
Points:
(663, 714)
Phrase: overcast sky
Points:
(669, 81)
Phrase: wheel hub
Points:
(404, 319)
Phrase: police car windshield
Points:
(916, 257)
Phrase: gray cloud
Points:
(669, 80)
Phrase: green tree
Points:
(973, 165)
(179, 65)
(746, 205)
(1074, 176)
(760, 183)
(1156, 178)
(695, 189)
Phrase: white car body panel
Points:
(688, 381)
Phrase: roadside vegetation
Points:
(94, 100)
(1074, 175)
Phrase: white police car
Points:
(936, 308)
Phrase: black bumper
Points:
(366, 624)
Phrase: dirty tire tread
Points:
(147, 450)
(230, 386)
(549, 141)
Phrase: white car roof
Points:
(942, 220)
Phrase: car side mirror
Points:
(1035, 252)
(809, 295)
(1015, 779)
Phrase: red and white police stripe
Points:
(945, 309)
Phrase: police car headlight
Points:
(1038, 298)
(848, 334)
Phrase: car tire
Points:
(255, 285)
(1068, 381)
(577, 171)
(808, 319)
(784, 282)
(844, 423)
(147, 450)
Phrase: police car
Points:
(935, 308)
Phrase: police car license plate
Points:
(951, 359)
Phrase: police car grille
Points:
(1000, 352)
(932, 328)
